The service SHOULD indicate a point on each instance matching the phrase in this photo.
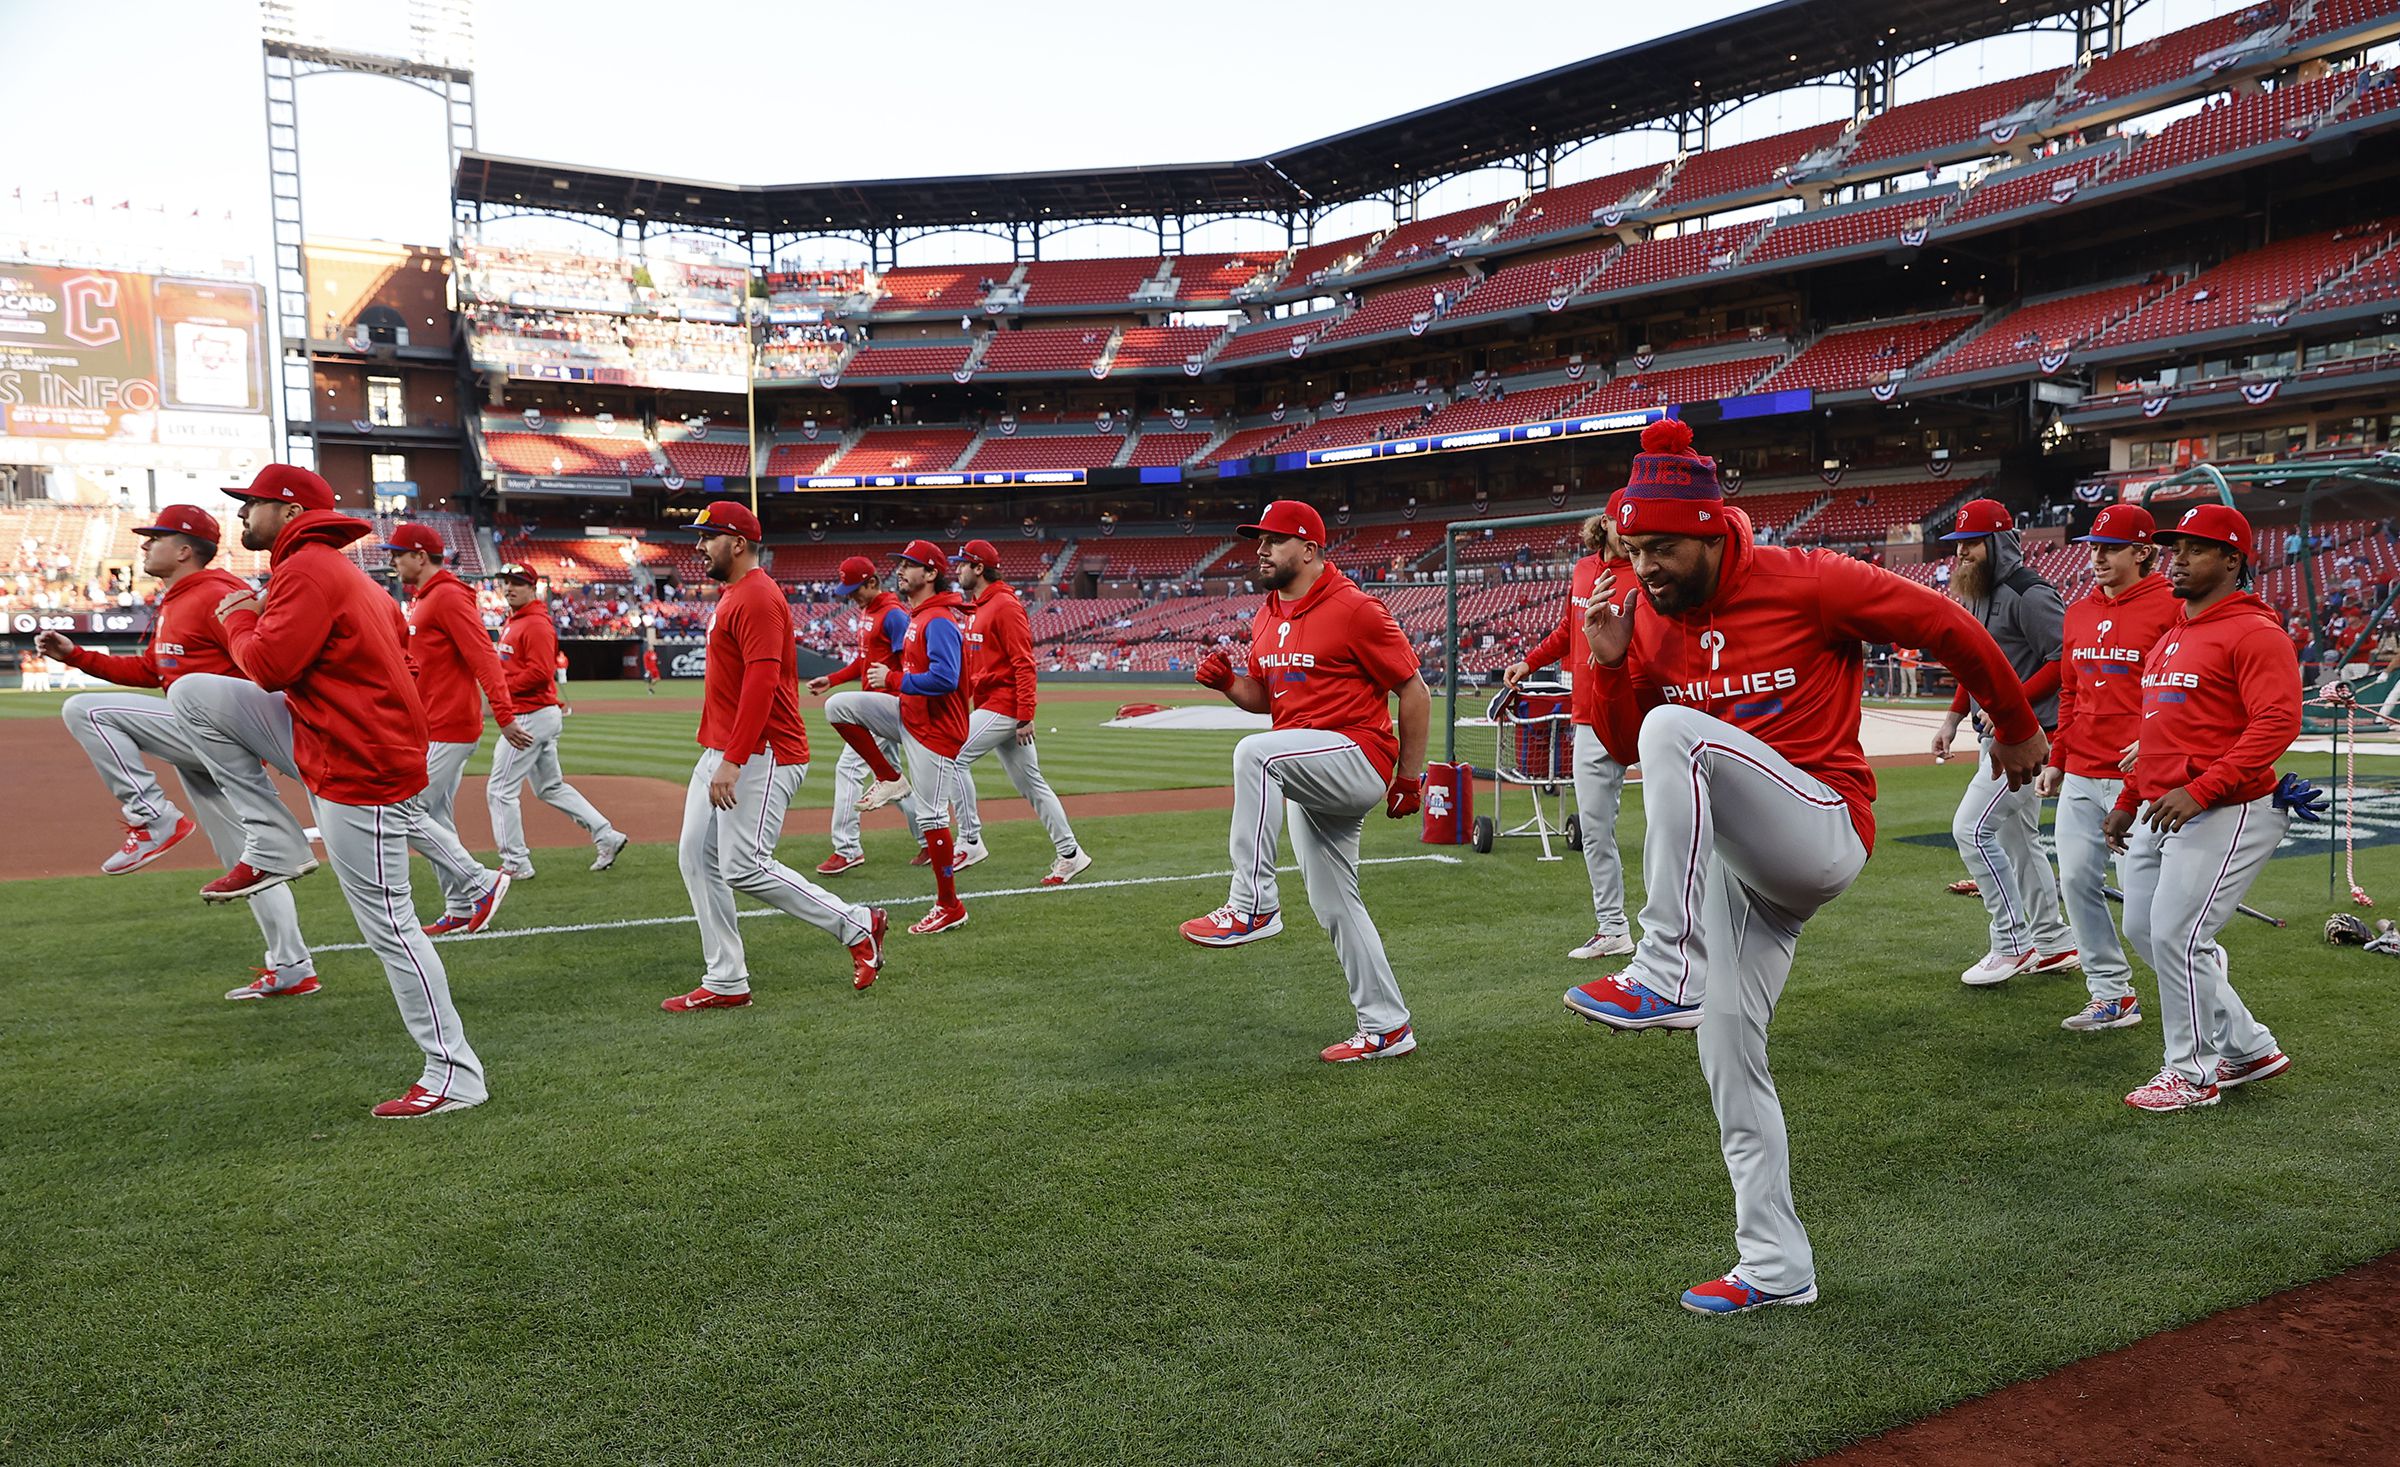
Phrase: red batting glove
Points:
(1215, 671)
(1405, 797)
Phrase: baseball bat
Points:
(2244, 908)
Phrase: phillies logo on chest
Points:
(1721, 686)
(1281, 658)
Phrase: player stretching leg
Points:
(882, 626)
(933, 719)
(1735, 680)
(1998, 826)
(2220, 704)
(1000, 682)
(117, 729)
(452, 656)
(2099, 718)
(1599, 779)
(1325, 660)
(753, 756)
(326, 638)
(528, 642)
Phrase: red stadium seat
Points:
(1849, 358)
(1743, 167)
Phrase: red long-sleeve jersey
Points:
(454, 658)
(2220, 704)
(1566, 642)
(185, 636)
(2100, 685)
(876, 642)
(933, 698)
(750, 693)
(1000, 654)
(1776, 651)
(329, 640)
(529, 657)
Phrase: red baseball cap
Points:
(2121, 524)
(416, 537)
(984, 553)
(288, 484)
(523, 575)
(856, 572)
(726, 515)
(1288, 517)
(185, 519)
(926, 554)
(1980, 517)
(2219, 522)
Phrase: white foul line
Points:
(1067, 890)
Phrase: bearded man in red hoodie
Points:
(2220, 704)
(1735, 680)
(328, 699)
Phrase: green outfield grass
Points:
(1062, 1188)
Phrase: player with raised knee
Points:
(882, 627)
(2108, 633)
(2204, 811)
(1734, 679)
(1326, 660)
(1002, 689)
(933, 717)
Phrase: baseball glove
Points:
(2344, 930)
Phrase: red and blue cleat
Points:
(1734, 1294)
(1622, 1003)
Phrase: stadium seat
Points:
(2060, 324)
(904, 451)
(1047, 451)
(1742, 168)
(1945, 121)
(2264, 284)
(1674, 256)
(1162, 346)
(1664, 386)
(907, 361)
(1569, 206)
(1849, 358)
(1812, 232)
(1086, 282)
(1522, 287)
(1056, 352)
(938, 287)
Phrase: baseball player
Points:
(1325, 660)
(527, 643)
(1998, 826)
(453, 658)
(2099, 717)
(932, 727)
(328, 698)
(1000, 685)
(117, 729)
(883, 626)
(650, 668)
(1599, 779)
(753, 756)
(1735, 680)
(2220, 704)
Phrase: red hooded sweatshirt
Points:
(454, 656)
(933, 695)
(185, 637)
(1000, 654)
(528, 657)
(1776, 651)
(2220, 704)
(329, 640)
(1331, 660)
(1566, 643)
(876, 642)
(2100, 675)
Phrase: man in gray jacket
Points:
(1998, 829)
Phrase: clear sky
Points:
(158, 101)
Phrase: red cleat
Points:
(923, 857)
(486, 907)
(837, 863)
(263, 986)
(705, 997)
(940, 919)
(866, 954)
(144, 845)
(246, 880)
(420, 1101)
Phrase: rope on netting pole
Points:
(2340, 695)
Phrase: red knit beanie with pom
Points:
(1672, 490)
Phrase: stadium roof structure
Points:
(1760, 51)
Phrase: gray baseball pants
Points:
(1742, 848)
(1599, 788)
(368, 845)
(996, 733)
(116, 730)
(2180, 891)
(878, 713)
(725, 851)
(1998, 831)
(1322, 785)
(2085, 866)
(512, 767)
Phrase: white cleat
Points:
(610, 846)
(1067, 868)
(1604, 945)
(967, 856)
(1994, 968)
(884, 792)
